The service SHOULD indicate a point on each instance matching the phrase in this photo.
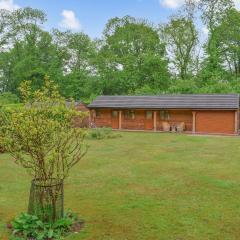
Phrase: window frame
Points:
(98, 113)
(164, 115)
(146, 115)
(117, 114)
(129, 115)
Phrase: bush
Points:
(31, 227)
(102, 133)
(41, 138)
(8, 98)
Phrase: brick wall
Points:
(82, 107)
(105, 118)
(134, 124)
(138, 123)
(177, 116)
(215, 122)
(79, 122)
(206, 121)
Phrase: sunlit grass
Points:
(145, 186)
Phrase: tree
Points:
(31, 52)
(41, 138)
(4, 30)
(218, 15)
(181, 37)
(80, 71)
(214, 11)
(30, 60)
(131, 56)
(228, 38)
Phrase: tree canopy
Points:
(133, 56)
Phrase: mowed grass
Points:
(145, 186)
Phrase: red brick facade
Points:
(206, 121)
(177, 116)
(215, 122)
(79, 122)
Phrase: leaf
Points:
(50, 233)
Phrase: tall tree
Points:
(228, 37)
(214, 11)
(31, 52)
(5, 32)
(181, 37)
(213, 14)
(131, 56)
(80, 72)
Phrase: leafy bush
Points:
(41, 138)
(8, 98)
(102, 133)
(31, 227)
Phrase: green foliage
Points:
(102, 133)
(40, 136)
(146, 90)
(181, 37)
(27, 226)
(227, 35)
(132, 57)
(8, 98)
(183, 86)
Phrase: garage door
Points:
(215, 122)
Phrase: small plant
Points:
(102, 133)
(27, 226)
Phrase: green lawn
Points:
(145, 186)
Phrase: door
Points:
(115, 119)
(215, 122)
(148, 124)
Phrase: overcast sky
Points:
(90, 16)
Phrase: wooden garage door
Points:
(215, 122)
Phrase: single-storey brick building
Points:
(81, 107)
(201, 113)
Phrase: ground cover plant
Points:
(26, 226)
(102, 133)
(144, 186)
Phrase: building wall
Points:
(176, 116)
(134, 124)
(138, 123)
(78, 121)
(215, 122)
(105, 118)
(81, 107)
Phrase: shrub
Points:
(41, 138)
(8, 98)
(102, 133)
(31, 227)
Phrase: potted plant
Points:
(41, 137)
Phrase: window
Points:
(98, 113)
(114, 114)
(129, 114)
(149, 115)
(164, 115)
